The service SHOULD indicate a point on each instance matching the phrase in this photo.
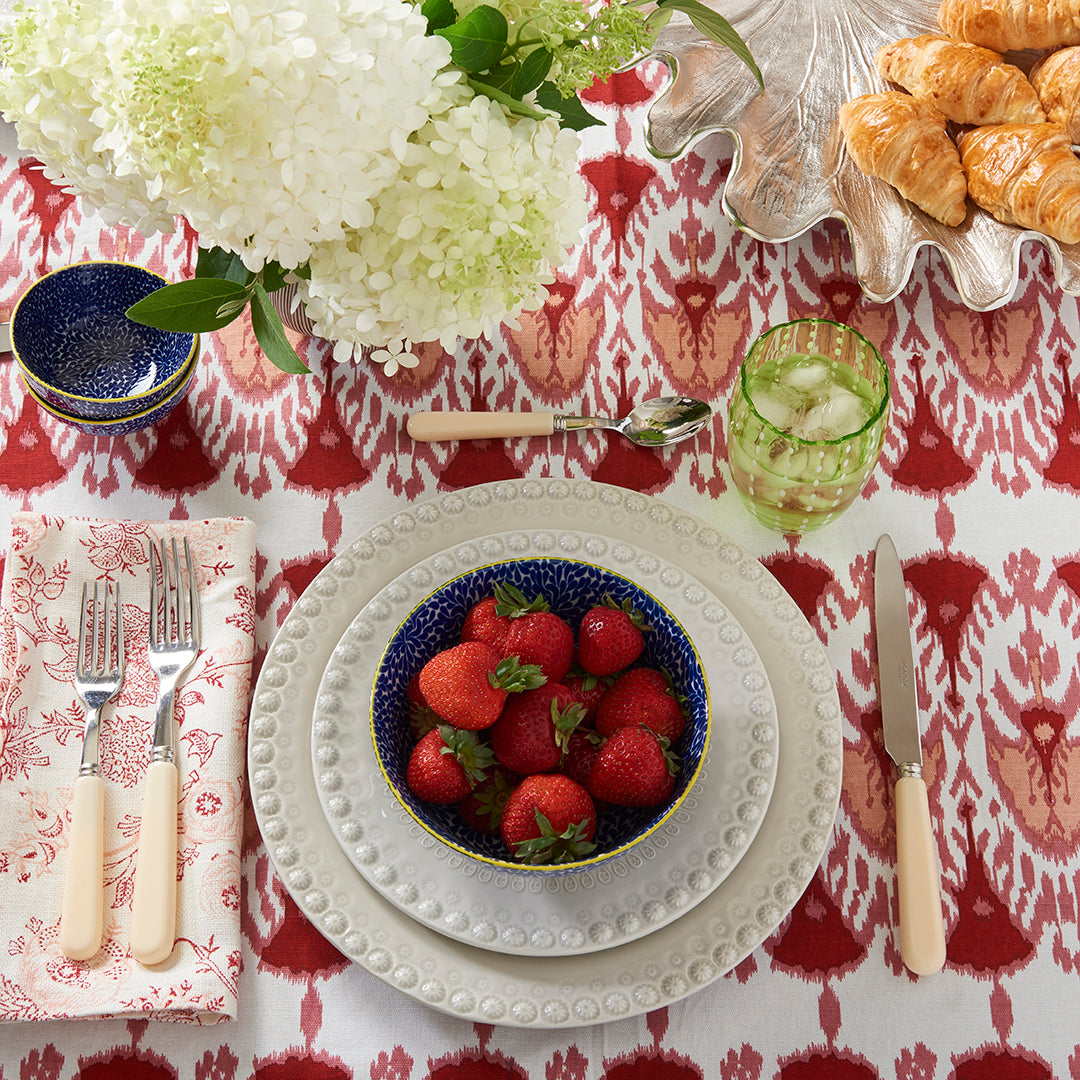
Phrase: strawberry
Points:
(641, 696)
(483, 624)
(483, 807)
(588, 691)
(581, 750)
(467, 684)
(445, 765)
(610, 637)
(489, 620)
(549, 818)
(422, 718)
(531, 734)
(543, 639)
(633, 768)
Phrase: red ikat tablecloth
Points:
(979, 485)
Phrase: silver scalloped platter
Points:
(789, 170)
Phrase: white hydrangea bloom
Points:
(331, 133)
(268, 124)
(464, 238)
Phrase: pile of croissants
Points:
(1012, 151)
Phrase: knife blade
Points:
(922, 925)
(5, 337)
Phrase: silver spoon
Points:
(657, 422)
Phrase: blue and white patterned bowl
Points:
(79, 352)
(127, 424)
(570, 587)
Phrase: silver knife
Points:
(922, 925)
(5, 337)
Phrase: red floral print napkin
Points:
(41, 723)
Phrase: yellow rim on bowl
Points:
(579, 864)
(156, 388)
(58, 414)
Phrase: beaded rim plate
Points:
(658, 880)
(567, 991)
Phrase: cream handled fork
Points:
(174, 644)
(99, 673)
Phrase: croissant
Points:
(1056, 79)
(968, 83)
(1027, 175)
(1012, 24)
(903, 140)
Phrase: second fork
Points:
(174, 644)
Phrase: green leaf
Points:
(270, 334)
(532, 71)
(272, 276)
(503, 98)
(572, 114)
(501, 78)
(478, 41)
(219, 263)
(193, 306)
(717, 28)
(439, 14)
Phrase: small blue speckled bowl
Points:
(79, 352)
(137, 421)
(570, 588)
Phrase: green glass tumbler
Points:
(806, 423)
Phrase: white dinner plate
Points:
(564, 991)
(658, 880)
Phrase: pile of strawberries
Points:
(532, 731)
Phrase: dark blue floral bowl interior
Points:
(570, 587)
(124, 425)
(80, 352)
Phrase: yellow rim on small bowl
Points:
(156, 388)
(58, 414)
(579, 864)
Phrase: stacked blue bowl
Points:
(86, 363)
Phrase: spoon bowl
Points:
(657, 422)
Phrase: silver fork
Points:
(99, 673)
(175, 633)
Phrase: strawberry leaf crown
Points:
(513, 603)
(491, 798)
(512, 675)
(474, 756)
(552, 847)
(566, 721)
(627, 608)
(671, 759)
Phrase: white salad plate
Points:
(658, 880)
(546, 991)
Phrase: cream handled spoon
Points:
(657, 422)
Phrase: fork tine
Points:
(154, 597)
(166, 588)
(119, 634)
(80, 658)
(95, 641)
(194, 611)
(181, 614)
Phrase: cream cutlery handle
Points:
(83, 910)
(922, 926)
(439, 426)
(153, 911)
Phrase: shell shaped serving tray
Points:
(789, 169)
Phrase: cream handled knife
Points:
(922, 927)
